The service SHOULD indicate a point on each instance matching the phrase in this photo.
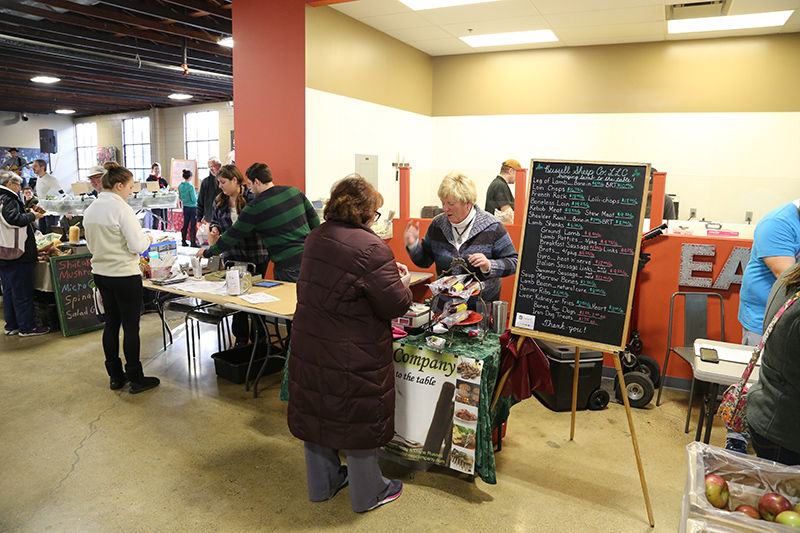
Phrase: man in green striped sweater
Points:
(281, 216)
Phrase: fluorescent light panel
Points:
(227, 41)
(180, 96)
(65, 111)
(420, 5)
(732, 22)
(514, 37)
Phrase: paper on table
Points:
(735, 355)
(209, 287)
(259, 298)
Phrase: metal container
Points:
(499, 317)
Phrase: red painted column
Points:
(659, 188)
(520, 196)
(269, 79)
(405, 192)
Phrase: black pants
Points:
(122, 300)
(190, 223)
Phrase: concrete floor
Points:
(199, 453)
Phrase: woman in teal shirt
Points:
(188, 196)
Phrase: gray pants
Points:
(325, 475)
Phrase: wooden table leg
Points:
(633, 438)
(575, 391)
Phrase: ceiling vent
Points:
(696, 10)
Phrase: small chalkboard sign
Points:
(72, 286)
(579, 252)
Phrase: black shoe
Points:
(117, 383)
(41, 330)
(146, 383)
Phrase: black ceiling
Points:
(113, 55)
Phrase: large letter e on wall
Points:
(739, 256)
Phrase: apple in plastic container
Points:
(749, 510)
(789, 518)
(772, 504)
(716, 491)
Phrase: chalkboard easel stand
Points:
(635, 442)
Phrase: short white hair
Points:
(214, 160)
(7, 177)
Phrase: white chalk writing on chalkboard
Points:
(579, 249)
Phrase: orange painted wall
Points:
(656, 284)
(269, 80)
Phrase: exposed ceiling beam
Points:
(202, 23)
(154, 54)
(223, 12)
(115, 15)
(60, 33)
(108, 60)
(85, 22)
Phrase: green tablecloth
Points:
(489, 353)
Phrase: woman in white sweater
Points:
(115, 239)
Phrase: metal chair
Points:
(208, 313)
(695, 326)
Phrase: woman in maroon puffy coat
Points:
(341, 374)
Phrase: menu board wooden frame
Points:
(574, 207)
(570, 205)
(73, 293)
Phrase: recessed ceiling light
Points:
(180, 96)
(227, 41)
(419, 5)
(514, 37)
(45, 79)
(65, 111)
(730, 22)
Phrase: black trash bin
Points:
(562, 368)
(232, 364)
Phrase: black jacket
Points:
(209, 190)
(14, 213)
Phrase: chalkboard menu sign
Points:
(72, 277)
(579, 251)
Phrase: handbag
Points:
(12, 239)
(733, 407)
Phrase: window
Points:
(86, 141)
(202, 138)
(136, 146)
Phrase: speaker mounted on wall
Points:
(48, 143)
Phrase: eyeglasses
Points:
(377, 216)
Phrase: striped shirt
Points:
(282, 217)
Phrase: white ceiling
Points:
(575, 22)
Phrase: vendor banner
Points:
(436, 411)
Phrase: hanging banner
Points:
(436, 407)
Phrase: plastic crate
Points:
(232, 364)
(748, 478)
(562, 369)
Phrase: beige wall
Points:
(349, 58)
(745, 74)
(166, 130)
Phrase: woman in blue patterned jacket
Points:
(464, 231)
(229, 203)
